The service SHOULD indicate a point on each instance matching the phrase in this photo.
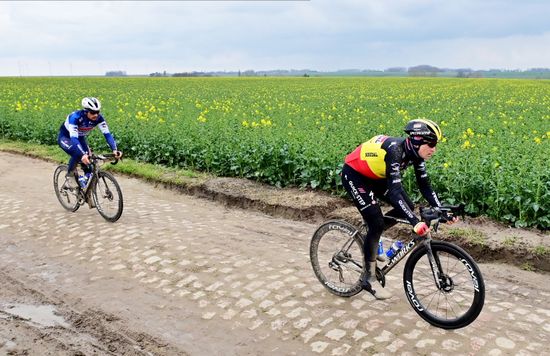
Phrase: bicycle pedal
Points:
(367, 287)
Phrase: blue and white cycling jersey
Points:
(77, 126)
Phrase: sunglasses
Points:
(431, 144)
(93, 112)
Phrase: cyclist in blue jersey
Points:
(73, 132)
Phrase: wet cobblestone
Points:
(254, 271)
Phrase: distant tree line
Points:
(192, 74)
(116, 73)
(423, 70)
(158, 74)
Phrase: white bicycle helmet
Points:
(91, 104)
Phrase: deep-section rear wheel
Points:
(336, 255)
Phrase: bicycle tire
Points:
(67, 195)
(463, 289)
(338, 271)
(107, 194)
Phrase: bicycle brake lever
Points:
(461, 210)
(430, 214)
(458, 210)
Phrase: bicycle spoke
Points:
(337, 258)
(63, 189)
(457, 297)
(340, 275)
(108, 197)
(464, 272)
(359, 266)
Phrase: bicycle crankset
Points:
(380, 277)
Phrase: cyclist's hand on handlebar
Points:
(421, 229)
(452, 220)
(449, 219)
(118, 154)
(85, 159)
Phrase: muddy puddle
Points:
(40, 315)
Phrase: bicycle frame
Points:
(101, 191)
(91, 184)
(340, 255)
(86, 191)
(398, 257)
(408, 248)
(340, 245)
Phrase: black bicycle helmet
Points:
(422, 131)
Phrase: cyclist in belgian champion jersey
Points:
(373, 170)
(73, 132)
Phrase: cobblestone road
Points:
(246, 275)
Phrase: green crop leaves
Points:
(297, 131)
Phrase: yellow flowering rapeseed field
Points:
(296, 131)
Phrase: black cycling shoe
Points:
(373, 286)
(378, 291)
(365, 284)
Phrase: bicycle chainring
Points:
(380, 277)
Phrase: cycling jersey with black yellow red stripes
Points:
(381, 159)
(369, 158)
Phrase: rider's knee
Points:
(376, 224)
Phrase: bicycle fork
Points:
(435, 264)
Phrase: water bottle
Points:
(380, 248)
(394, 249)
(381, 256)
(83, 180)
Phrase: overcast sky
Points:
(90, 38)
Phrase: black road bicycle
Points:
(442, 282)
(101, 191)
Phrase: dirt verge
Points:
(54, 325)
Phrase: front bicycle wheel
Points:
(107, 196)
(66, 189)
(336, 254)
(458, 300)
